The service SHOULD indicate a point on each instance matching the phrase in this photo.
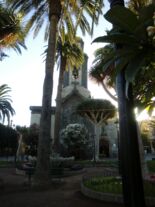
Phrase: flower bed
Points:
(109, 189)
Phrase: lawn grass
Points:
(104, 163)
(151, 166)
(5, 163)
(113, 185)
(104, 184)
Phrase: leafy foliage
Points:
(97, 69)
(8, 140)
(75, 140)
(96, 110)
(72, 15)
(138, 49)
(136, 5)
(12, 33)
(30, 138)
(6, 109)
(97, 73)
(134, 36)
(143, 85)
(72, 52)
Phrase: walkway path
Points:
(65, 195)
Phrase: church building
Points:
(74, 91)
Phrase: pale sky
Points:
(25, 73)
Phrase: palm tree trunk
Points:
(129, 150)
(59, 106)
(42, 174)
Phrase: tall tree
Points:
(57, 13)
(97, 111)
(70, 56)
(6, 110)
(129, 152)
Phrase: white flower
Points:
(150, 30)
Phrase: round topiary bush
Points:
(75, 141)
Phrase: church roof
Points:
(78, 90)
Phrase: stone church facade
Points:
(73, 92)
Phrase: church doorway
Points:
(104, 148)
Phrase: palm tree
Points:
(97, 72)
(105, 74)
(6, 109)
(8, 22)
(57, 13)
(70, 56)
(11, 32)
(97, 111)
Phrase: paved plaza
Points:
(66, 194)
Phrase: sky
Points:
(25, 73)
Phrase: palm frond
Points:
(6, 109)
(71, 51)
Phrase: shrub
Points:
(30, 137)
(8, 141)
(75, 141)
